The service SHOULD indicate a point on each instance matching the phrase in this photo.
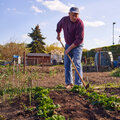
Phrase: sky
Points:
(17, 17)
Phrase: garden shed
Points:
(38, 59)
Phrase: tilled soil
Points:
(73, 106)
(94, 78)
(76, 107)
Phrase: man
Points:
(73, 29)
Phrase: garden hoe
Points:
(86, 86)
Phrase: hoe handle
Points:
(74, 66)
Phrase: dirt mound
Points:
(76, 107)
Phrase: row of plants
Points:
(13, 83)
(109, 103)
(45, 106)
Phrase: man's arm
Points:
(70, 48)
(59, 28)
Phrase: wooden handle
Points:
(74, 66)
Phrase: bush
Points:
(116, 72)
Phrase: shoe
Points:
(69, 86)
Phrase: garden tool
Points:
(86, 86)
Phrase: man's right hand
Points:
(58, 37)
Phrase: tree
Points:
(8, 50)
(37, 45)
(54, 47)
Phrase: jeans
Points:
(76, 55)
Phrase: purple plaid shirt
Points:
(73, 31)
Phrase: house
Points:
(56, 57)
(38, 58)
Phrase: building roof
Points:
(38, 54)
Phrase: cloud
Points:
(57, 5)
(14, 10)
(94, 24)
(36, 9)
(39, 0)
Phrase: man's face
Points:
(73, 16)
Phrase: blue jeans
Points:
(76, 55)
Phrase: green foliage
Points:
(79, 89)
(37, 45)
(54, 47)
(111, 103)
(46, 106)
(115, 49)
(59, 87)
(56, 117)
(115, 72)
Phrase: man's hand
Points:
(69, 49)
(58, 37)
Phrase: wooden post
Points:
(24, 55)
(99, 60)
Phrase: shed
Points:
(38, 58)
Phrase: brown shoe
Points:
(69, 86)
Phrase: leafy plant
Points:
(56, 117)
(111, 103)
(45, 105)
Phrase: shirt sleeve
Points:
(79, 36)
(59, 26)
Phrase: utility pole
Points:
(113, 32)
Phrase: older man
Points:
(73, 29)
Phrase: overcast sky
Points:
(17, 17)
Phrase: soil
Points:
(73, 106)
